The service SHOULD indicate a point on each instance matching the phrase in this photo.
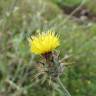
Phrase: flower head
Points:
(44, 43)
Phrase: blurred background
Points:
(73, 20)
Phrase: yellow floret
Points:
(44, 42)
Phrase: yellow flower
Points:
(44, 42)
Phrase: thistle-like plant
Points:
(49, 68)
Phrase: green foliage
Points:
(69, 3)
(21, 18)
(91, 6)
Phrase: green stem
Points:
(53, 93)
(63, 87)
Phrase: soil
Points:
(83, 12)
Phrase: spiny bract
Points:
(44, 42)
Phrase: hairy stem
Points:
(63, 87)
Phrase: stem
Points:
(70, 15)
(12, 84)
(53, 93)
(63, 87)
